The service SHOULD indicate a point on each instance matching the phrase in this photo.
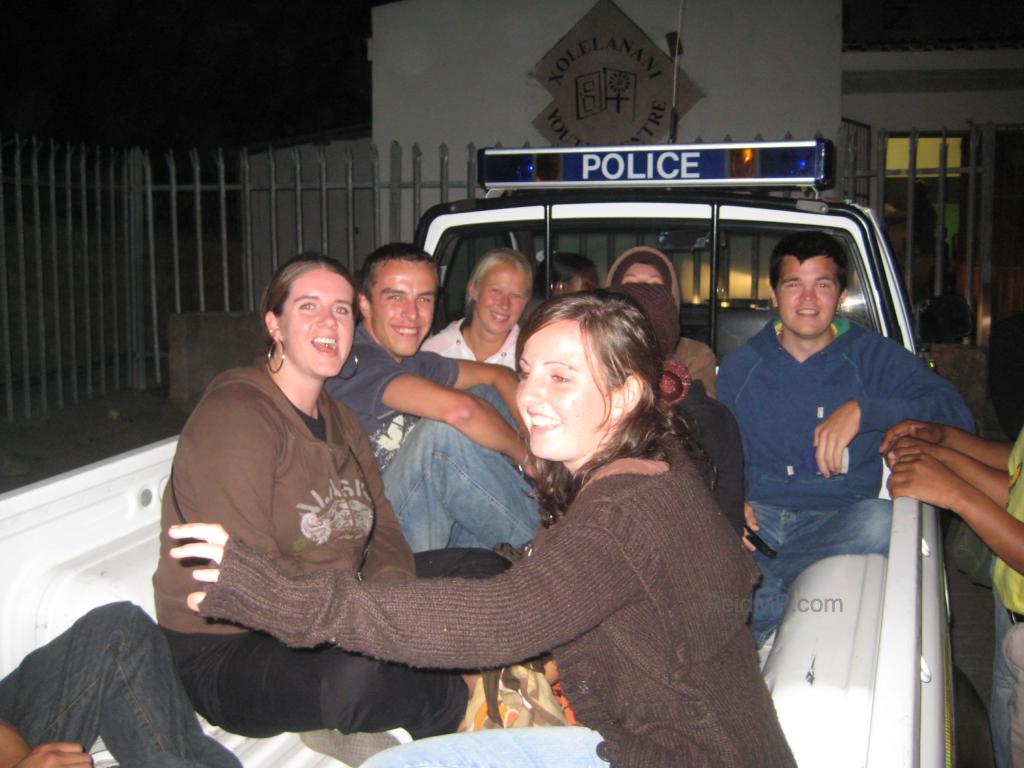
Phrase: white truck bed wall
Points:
(858, 666)
(87, 538)
(846, 680)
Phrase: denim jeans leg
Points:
(490, 394)
(448, 491)
(572, 747)
(769, 597)
(860, 528)
(1003, 685)
(466, 538)
(110, 675)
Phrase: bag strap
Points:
(491, 679)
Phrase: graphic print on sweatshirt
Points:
(345, 512)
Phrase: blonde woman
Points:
(275, 460)
(496, 295)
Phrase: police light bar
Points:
(761, 164)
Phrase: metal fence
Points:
(934, 260)
(99, 246)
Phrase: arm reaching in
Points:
(924, 477)
(994, 454)
(922, 430)
(990, 481)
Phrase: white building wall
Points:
(767, 67)
(933, 111)
(457, 71)
(931, 90)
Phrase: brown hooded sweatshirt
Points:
(247, 460)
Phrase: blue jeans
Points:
(1003, 685)
(448, 491)
(802, 537)
(565, 747)
(110, 675)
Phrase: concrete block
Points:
(204, 344)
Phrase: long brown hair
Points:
(619, 343)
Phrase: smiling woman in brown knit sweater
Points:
(639, 588)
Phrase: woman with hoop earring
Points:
(275, 460)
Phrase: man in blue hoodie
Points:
(813, 395)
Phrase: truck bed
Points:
(90, 537)
(861, 685)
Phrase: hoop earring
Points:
(355, 368)
(270, 357)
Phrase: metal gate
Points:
(932, 261)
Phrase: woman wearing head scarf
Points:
(644, 264)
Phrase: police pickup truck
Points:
(862, 679)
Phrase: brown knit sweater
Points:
(641, 592)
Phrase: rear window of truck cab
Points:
(741, 298)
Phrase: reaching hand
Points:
(923, 477)
(833, 435)
(922, 430)
(209, 542)
(907, 446)
(750, 517)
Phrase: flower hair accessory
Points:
(674, 383)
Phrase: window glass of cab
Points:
(742, 296)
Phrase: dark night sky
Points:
(207, 73)
(183, 73)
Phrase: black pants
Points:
(254, 685)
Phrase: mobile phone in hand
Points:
(759, 543)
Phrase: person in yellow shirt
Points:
(966, 474)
